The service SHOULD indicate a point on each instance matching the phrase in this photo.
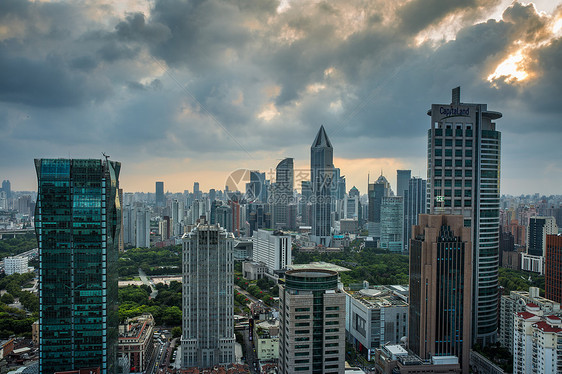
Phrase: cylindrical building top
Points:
(311, 279)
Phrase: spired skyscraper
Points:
(77, 223)
(322, 178)
(463, 172)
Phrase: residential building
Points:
(323, 184)
(208, 297)
(516, 302)
(77, 222)
(375, 316)
(440, 288)
(312, 327)
(463, 173)
(537, 342)
(16, 264)
(553, 268)
(273, 248)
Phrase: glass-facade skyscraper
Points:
(463, 172)
(77, 223)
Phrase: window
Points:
(438, 152)
(448, 153)
(448, 142)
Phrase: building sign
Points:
(452, 111)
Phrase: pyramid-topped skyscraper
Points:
(322, 177)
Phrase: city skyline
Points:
(180, 101)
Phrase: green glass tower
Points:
(77, 223)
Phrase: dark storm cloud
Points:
(188, 78)
(416, 15)
(46, 83)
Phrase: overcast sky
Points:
(184, 91)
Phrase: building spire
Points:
(321, 139)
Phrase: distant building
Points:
(208, 297)
(415, 205)
(311, 332)
(537, 230)
(553, 268)
(440, 288)
(282, 194)
(376, 192)
(159, 195)
(375, 316)
(272, 248)
(136, 342)
(16, 264)
(392, 223)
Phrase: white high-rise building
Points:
(273, 248)
(136, 226)
(208, 297)
(537, 342)
(16, 264)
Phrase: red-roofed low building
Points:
(136, 342)
(538, 343)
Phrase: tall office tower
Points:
(128, 228)
(212, 194)
(224, 217)
(537, 230)
(255, 189)
(416, 205)
(235, 209)
(121, 245)
(306, 194)
(3, 200)
(463, 173)
(402, 189)
(553, 268)
(392, 223)
(273, 248)
(440, 288)
(282, 193)
(208, 297)
(350, 208)
(177, 217)
(322, 173)
(196, 191)
(312, 327)
(376, 192)
(7, 187)
(160, 199)
(354, 192)
(77, 222)
(402, 182)
(142, 227)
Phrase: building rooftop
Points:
(526, 315)
(320, 266)
(378, 297)
(546, 327)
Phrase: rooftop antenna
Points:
(106, 156)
